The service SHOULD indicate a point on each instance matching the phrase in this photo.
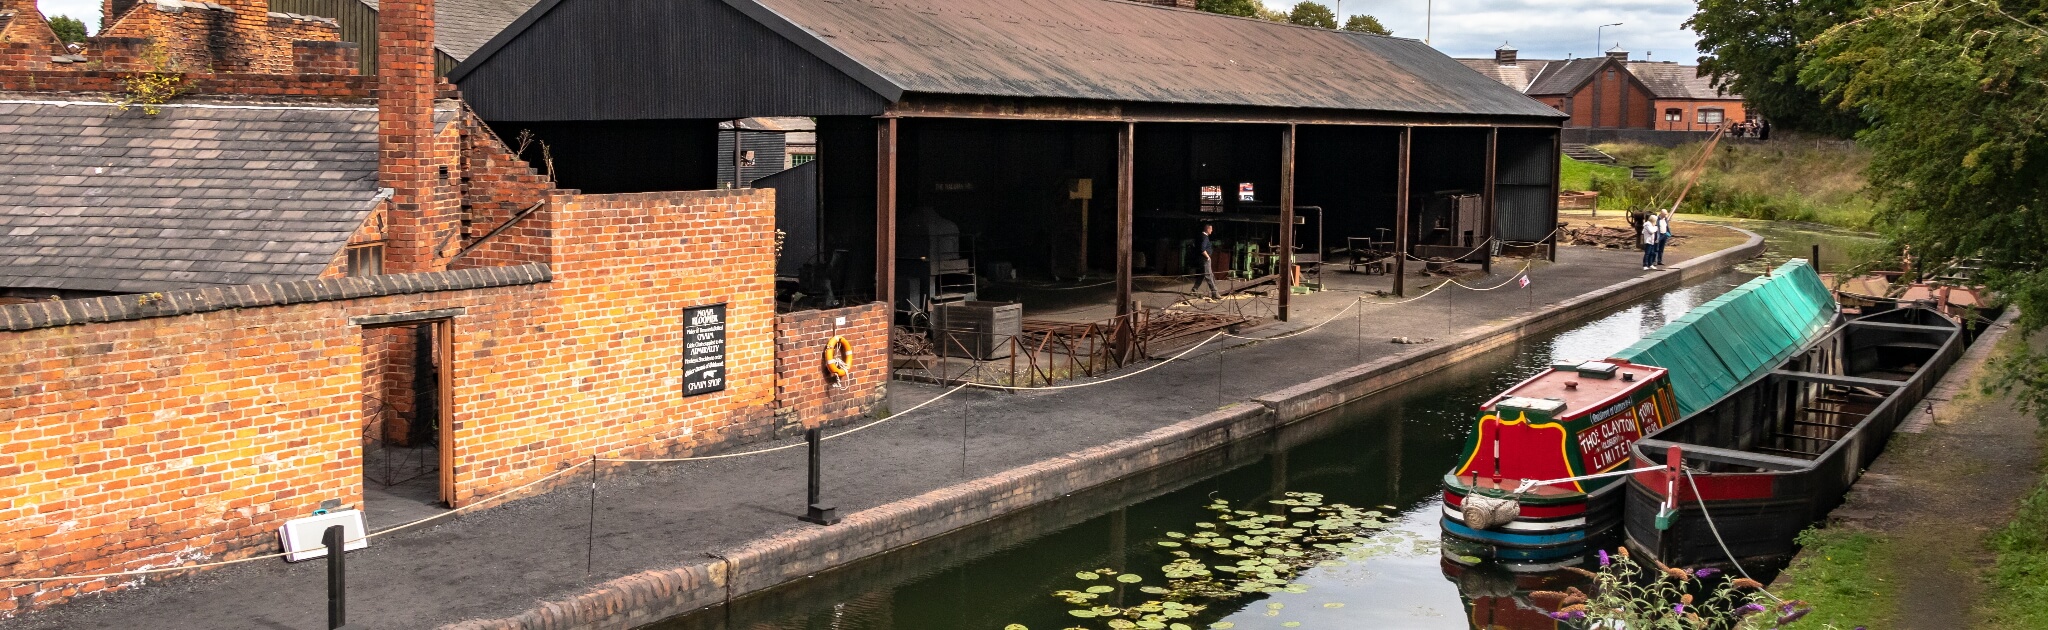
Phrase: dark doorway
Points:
(406, 415)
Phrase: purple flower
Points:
(1750, 609)
(1678, 609)
(1705, 572)
(1786, 609)
(1794, 616)
(1603, 558)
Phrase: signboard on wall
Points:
(703, 349)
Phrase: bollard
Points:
(337, 580)
(818, 513)
(1669, 511)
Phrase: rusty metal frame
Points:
(1489, 197)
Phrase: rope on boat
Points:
(1527, 484)
(1717, 536)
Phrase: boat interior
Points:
(1791, 416)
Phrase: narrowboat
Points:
(1568, 421)
(1504, 501)
(1777, 454)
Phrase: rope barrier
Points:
(793, 445)
(1113, 379)
(1518, 274)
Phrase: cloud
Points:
(1541, 29)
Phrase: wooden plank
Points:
(1836, 379)
(1488, 200)
(1401, 215)
(1126, 149)
(1727, 456)
(885, 213)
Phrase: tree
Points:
(1754, 48)
(1954, 97)
(68, 28)
(1240, 8)
(1312, 14)
(1362, 23)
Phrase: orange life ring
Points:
(838, 357)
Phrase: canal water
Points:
(1385, 453)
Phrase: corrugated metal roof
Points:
(1124, 51)
(1092, 50)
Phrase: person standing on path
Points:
(1663, 238)
(1208, 274)
(1649, 232)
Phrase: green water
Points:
(1390, 450)
(1839, 248)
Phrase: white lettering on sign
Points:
(1606, 443)
(703, 349)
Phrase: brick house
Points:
(252, 302)
(1612, 92)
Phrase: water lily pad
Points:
(1129, 578)
(1222, 625)
(1168, 543)
(1084, 614)
(1015, 626)
(1333, 605)
(1156, 590)
(1121, 624)
(1291, 624)
(1088, 575)
(1101, 589)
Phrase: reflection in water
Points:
(1388, 450)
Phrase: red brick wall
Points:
(315, 87)
(497, 186)
(1621, 101)
(412, 161)
(151, 442)
(318, 57)
(1688, 114)
(804, 392)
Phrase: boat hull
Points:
(1548, 531)
(1758, 491)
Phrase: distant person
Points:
(1649, 233)
(1764, 132)
(1208, 274)
(1663, 237)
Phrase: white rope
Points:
(792, 445)
(1717, 536)
(1527, 484)
(1518, 274)
(1119, 377)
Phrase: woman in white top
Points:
(1650, 235)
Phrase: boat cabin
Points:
(1572, 419)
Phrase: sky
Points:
(1541, 29)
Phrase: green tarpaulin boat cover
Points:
(1719, 345)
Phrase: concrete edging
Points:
(650, 596)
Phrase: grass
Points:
(1576, 175)
(1844, 576)
(1790, 179)
(2018, 596)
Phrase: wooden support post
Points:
(1286, 219)
(1126, 149)
(885, 214)
(1556, 171)
(1488, 199)
(1401, 214)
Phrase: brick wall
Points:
(311, 87)
(497, 186)
(1612, 99)
(150, 441)
(318, 57)
(804, 392)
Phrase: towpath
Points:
(1948, 480)
(504, 560)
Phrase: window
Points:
(1710, 116)
(365, 260)
(1674, 115)
(800, 159)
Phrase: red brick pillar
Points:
(424, 207)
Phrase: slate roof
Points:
(96, 199)
(1671, 80)
(462, 26)
(1564, 76)
(1516, 76)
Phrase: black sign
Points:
(703, 349)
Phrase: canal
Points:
(1384, 453)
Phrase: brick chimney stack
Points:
(424, 207)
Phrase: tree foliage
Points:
(1312, 14)
(1363, 23)
(1956, 92)
(68, 28)
(1240, 8)
(1754, 48)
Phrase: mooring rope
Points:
(1527, 484)
(1717, 536)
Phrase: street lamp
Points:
(1596, 38)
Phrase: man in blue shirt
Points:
(1208, 273)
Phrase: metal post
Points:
(1489, 199)
(1556, 171)
(1286, 219)
(1815, 259)
(337, 577)
(885, 213)
(818, 513)
(1401, 215)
